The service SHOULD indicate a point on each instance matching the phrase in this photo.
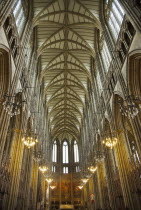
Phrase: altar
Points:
(66, 206)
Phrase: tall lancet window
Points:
(54, 152)
(99, 81)
(65, 152)
(106, 57)
(19, 15)
(76, 152)
(115, 18)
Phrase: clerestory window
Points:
(115, 18)
(106, 57)
(19, 15)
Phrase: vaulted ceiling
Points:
(65, 42)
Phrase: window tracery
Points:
(106, 57)
(99, 82)
(54, 169)
(11, 33)
(126, 37)
(19, 15)
(77, 169)
(65, 170)
(115, 18)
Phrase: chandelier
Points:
(37, 155)
(130, 106)
(52, 187)
(99, 156)
(43, 168)
(49, 180)
(80, 187)
(30, 140)
(92, 169)
(12, 108)
(110, 142)
(84, 180)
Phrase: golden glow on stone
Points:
(84, 180)
(110, 142)
(49, 180)
(92, 169)
(29, 141)
(43, 168)
(80, 187)
(52, 187)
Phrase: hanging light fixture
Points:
(110, 141)
(130, 106)
(30, 140)
(38, 155)
(92, 169)
(49, 180)
(13, 108)
(99, 156)
(80, 187)
(43, 168)
(84, 180)
(52, 187)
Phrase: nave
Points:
(70, 104)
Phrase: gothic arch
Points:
(123, 123)
(134, 72)
(127, 149)
(5, 74)
(68, 145)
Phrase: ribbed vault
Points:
(65, 41)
